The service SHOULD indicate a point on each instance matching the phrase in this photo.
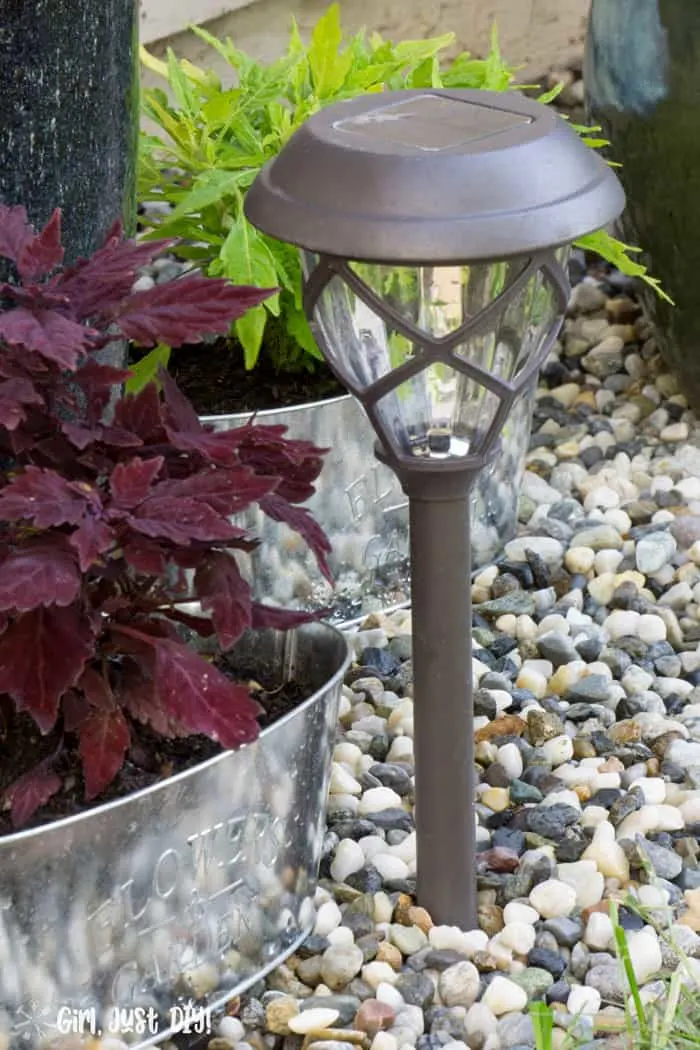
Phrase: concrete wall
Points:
(539, 34)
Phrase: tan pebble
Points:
(653, 767)
(496, 798)
(419, 917)
(612, 765)
(490, 918)
(485, 962)
(389, 953)
(586, 397)
(278, 1013)
(509, 725)
(625, 732)
(583, 792)
(402, 909)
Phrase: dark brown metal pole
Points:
(443, 711)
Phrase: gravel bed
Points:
(587, 705)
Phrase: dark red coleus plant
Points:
(105, 507)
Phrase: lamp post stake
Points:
(400, 185)
(443, 713)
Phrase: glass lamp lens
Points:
(379, 318)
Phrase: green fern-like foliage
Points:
(212, 140)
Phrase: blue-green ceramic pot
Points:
(642, 73)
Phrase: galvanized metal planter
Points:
(363, 511)
(195, 887)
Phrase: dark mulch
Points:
(150, 758)
(214, 378)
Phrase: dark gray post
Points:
(443, 713)
(69, 123)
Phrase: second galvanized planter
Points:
(361, 508)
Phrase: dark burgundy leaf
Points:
(15, 395)
(56, 338)
(300, 520)
(199, 697)
(96, 286)
(94, 376)
(225, 594)
(92, 538)
(43, 253)
(38, 574)
(179, 412)
(137, 695)
(183, 311)
(282, 619)
(203, 627)
(141, 414)
(180, 521)
(96, 689)
(82, 436)
(131, 482)
(44, 497)
(42, 654)
(15, 231)
(213, 447)
(145, 556)
(225, 490)
(104, 741)
(30, 792)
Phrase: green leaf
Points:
(298, 327)
(181, 86)
(146, 370)
(329, 66)
(618, 253)
(248, 260)
(210, 188)
(250, 329)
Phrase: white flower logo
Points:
(33, 1021)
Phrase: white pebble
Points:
(390, 867)
(328, 917)
(376, 973)
(339, 937)
(599, 932)
(503, 996)
(349, 858)
(516, 911)
(518, 936)
(510, 758)
(558, 750)
(579, 559)
(375, 800)
(583, 1000)
(553, 899)
(308, 1020)
(342, 782)
(608, 855)
(585, 879)
(652, 788)
(388, 994)
(458, 985)
(651, 629)
(229, 1028)
(622, 623)
(451, 937)
(645, 953)
(384, 1041)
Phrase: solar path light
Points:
(434, 225)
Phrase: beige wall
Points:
(539, 34)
